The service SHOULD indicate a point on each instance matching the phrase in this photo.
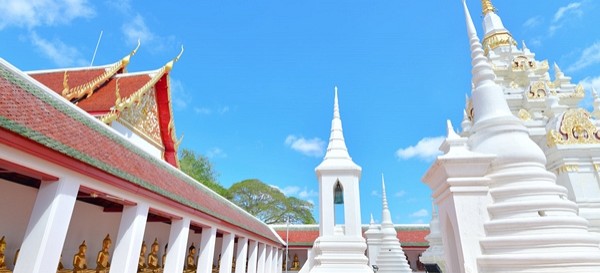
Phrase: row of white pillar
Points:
(48, 225)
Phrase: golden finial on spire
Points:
(487, 6)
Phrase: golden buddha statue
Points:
(3, 268)
(103, 258)
(79, 261)
(153, 258)
(142, 258)
(164, 256)
(295, 263)
(190, 264)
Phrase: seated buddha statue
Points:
(153, 258)
(3, 268)
(190, 261)
(79, 261)
(142, 258)
(103, 258)
(295, 263)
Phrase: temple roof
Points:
(56, 128)
(106, 91)
(305, 235)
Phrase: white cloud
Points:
(589, 56)
(591, 82)
(289, 190)
(306, 193)
(400, 193)
(202, 110)
(419, 213)
(179, 95)
(137, 29)
(223, 110)
(310, 147)
(123, 6)
(31, 14)
(426, 149)
(571, 8)
(216, 152)
(533, 22)
(60, 53)
(375, 193)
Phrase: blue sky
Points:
(254, 88)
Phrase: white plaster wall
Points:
(16, 203)
(137, 140)
(89, 223)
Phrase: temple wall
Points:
(16, 203)
(137, 140)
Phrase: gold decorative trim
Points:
(537, 90)
(497, 39)
(520, 63)
(575, 128)
(135, 97)
(597, 167)
(524, 114)
(87, 89)
(568, 169)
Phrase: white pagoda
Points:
(501, 206)
(339, 248)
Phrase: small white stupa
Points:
(339, 248)
(391, 257)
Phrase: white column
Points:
(129, 241)
(280, 261)
(48, 225)
(241, 255)
(207, 249)
(275, 260)
(176, 253)
(260, 265)
(227, 253)
(268, 257)
(252, 256)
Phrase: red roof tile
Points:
(305, 235)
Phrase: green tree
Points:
(199, 167)
(270, 204)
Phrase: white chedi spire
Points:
(495, 34)
(391, 257)
(337, 156)
(532, 224)
(386, 217)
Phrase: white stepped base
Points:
(392, 260)
(340, 254)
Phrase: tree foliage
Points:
(200, 168)
(270, 204)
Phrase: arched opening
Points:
(338, 202)
(450, 247)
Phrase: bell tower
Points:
(339, 248)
